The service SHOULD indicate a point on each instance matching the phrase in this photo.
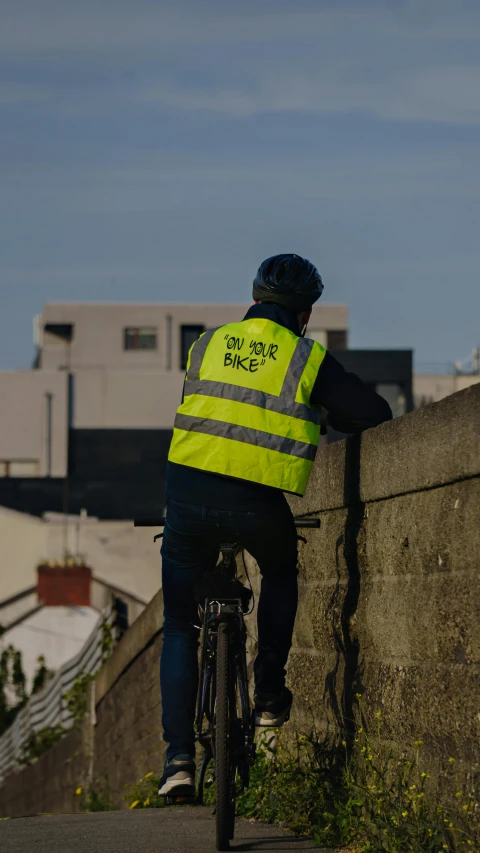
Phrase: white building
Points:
(429, 388)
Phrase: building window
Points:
(18, 468)
(140, 337)
(59, 332)
(337, 339)
(188, 336)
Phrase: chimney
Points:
(64, 585)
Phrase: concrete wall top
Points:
(436, 445)
(137, 638)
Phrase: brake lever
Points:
(158, 536)
(301, 538)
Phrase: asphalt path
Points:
(169, 830)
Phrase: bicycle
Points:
(224, 720)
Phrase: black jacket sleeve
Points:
(351, 405)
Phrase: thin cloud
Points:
(438, 94)
(173, 184)
(107, 26)
(408, 61)
(101, 25)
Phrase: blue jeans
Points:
(190, 546)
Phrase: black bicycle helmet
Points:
(288, 280)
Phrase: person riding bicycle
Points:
(245, 433)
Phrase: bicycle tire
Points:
(224, 766)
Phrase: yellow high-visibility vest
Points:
(246, 409)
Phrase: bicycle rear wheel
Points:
(224, 737)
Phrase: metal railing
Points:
(48, 708)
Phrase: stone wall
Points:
(127, 733)
(389, 608)
(128, 738)
(50, 784)
(389, 584)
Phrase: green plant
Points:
(76, 698)
(18, 680)
(356, 794)
(97, 797)
(40, 742)
(144, 794)
(13, 693)
(13, 685)
(41, 676)
(107, 640)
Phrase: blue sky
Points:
(160, 152)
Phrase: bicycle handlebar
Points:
(159, 521)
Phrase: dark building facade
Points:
(113, 474)
(389, 372)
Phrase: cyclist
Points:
(245, 433)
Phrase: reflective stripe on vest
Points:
(246, 411)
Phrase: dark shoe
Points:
(273, 710)
(178, 778)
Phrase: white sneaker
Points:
(178, 778)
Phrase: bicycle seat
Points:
(214, 585)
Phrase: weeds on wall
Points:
(40, 742)
(107, 640)
(144, 793)
(357, 796)
(76, 698)
(14, 694)
(96, 797)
